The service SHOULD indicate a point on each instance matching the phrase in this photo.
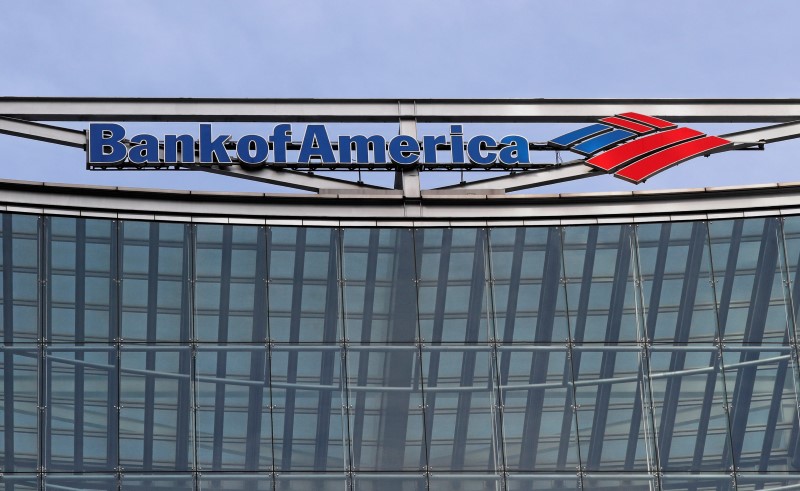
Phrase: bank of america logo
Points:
(635, 146)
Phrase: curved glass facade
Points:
(143, 355)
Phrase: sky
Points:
(410, 49)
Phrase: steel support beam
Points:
(568, 171)
(390, 110)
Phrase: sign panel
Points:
(632, 146)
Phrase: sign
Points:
(632, 146)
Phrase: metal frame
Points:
(17, 116)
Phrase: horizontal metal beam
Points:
(767, 134)
(43, 132)
(390, 110)
(568, 171)
(288, 178)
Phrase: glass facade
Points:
(144, 355)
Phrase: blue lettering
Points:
(144, 149)
(316, 144)
(478, 143)
(429, 145)
(171, 143)
(404, 150)
(515, 150)
(457, 144)
(213, 150)
(252, 150)
(363, 145)
(281, 135)
(105, 144)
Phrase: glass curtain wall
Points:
(143, 355)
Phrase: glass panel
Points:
(529, 299)
(600, 288)
(611, 417)
(308, 413)
(155, 282)
(542, 482)
(689, 408)
(19, 413)
(304, 294)
(156, 414)
(230, 293)
(380, 298)
(763, 399)
(675, 268)
(701, 482)
(746, 481)
(385, 399)
(20, 285)
(616, 482)
(791, 233)
(81, 417)
(56, 482)
(749, 283)
(459, 408)
(538, 421)
(19, 482)
(157, 482)
(460, 482)
(234, 426)
(81, 280)
(389, 482)
(451, 267)
(235, 482)
(312, 482)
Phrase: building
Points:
(376, 341)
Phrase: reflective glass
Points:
(473, 482)
(157, 482)
(312, 482)
(536, 391)
(452, 285)
(81, 416)
(380, 298)
(749, 276)
(19, 421)
(543, 482)
(235, 482)
(675, 270)
(528, 296)
(612, 422)
(389, 482)
(460, 402)
(385, 408)
(701, 482)
(155, 289)
(98, 482)
(19, 482)
(762, 396)
(156, 408)
(599, 272)
(230, 288)
(304, 295)
(234, 424)
(81, 286)
(20, 285)
(308, 417)
(689, 403)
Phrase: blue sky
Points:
(409, 49)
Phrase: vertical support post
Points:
(408, 179)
